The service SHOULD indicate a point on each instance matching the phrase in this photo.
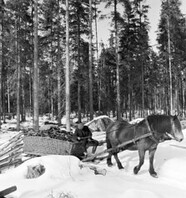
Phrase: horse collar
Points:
(147, 123)
(151, 132)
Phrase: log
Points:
(13, 150)
(10, 164)
(97, 170)
(7, 191)
(92, 157)
(8, 159)
(11, 140)
(10, 151)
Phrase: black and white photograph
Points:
(92, 98)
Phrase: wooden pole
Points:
(117, 147)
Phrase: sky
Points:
(153, 15)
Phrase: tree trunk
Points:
(183, 96)
(36, 72)
(18, 76)
(8, 96)
(142, 88)
(90, 62)
(79, 67)
(51, 78)
(96, 29)
(67, 75)
(1, 54)
(59, 73)
(23, 111)
(117, 64)
(169, 61)
(32, 66)
(97, 59)
(130, 96)
(30, 92)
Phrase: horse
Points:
(159, 127)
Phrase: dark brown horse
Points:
(159, 128)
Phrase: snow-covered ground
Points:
(64, 176)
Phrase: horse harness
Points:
(152, 136)
(151, 133)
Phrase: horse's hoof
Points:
(154, 175)
(135, 170)
(110, 165)
(120, 166)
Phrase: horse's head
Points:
(166, 127)
(176, 131)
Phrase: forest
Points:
(51, 60)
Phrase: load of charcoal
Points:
(53, 132)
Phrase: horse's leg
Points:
(118, 161)
(141, 153)
(109, 158)
(151, 159)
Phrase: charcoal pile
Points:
(52, 132)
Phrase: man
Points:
(84, 135)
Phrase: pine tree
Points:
(170, 39)
(134, 52)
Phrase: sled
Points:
(7, 191)
(36, 145)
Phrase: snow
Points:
(67, 176)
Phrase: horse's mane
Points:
(160, 123)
